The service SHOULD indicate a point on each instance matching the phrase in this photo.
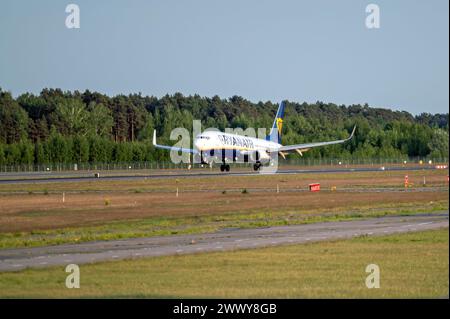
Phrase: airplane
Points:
(213, 146)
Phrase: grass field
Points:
(166, 226)
(411, 265)
(34, 214)
(230, 182)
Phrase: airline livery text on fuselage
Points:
(236, 141)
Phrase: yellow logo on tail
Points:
(279, 125)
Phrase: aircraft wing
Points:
(172, 148)
(299, 148)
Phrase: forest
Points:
(89, 127)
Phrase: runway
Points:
(225, 240)
(64, 177)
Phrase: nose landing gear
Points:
(224, 167)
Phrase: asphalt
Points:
(225, 240)
(63, 177)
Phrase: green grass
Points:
(207, 183)
(413, 265)
(165, 226)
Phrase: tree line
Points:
(78, 127)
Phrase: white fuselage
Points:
(235, 148)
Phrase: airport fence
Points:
(165, 165)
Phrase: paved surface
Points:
(43, 177)
(230, 239)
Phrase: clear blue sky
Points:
(259, 49)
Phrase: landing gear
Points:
(256, 166)
(203, 160)
(224, 166)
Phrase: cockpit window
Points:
(204, 137)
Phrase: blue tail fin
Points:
(275, 131)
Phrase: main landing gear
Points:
(224, 167)
(256, 166)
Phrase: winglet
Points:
(353, 133)
(154, 137)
